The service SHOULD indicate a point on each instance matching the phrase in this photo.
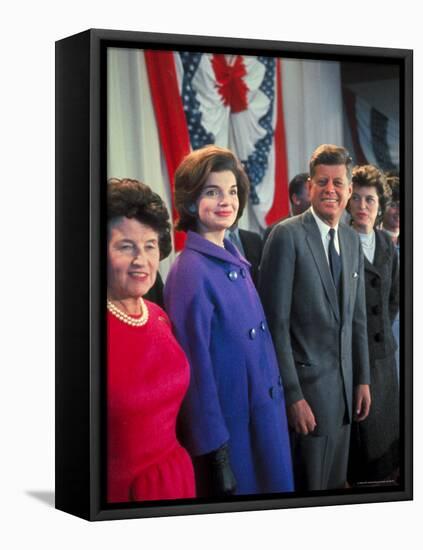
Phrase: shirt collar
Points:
(323, 227)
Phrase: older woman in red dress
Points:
(147, 371)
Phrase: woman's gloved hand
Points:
(223, 479)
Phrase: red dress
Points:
(147, 377)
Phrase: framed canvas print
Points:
(233, 328)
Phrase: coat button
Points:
(243, 272)
(376, 310)
(378, 337)
(262, 326)
(233, 275)
(252, 333)
(272, 392)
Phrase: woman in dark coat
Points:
(233, 419)
(374, 454)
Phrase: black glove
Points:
(223, 479)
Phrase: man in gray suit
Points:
(312, 288)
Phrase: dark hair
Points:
(132, 199)
(393, 182)
(370, 176)
(296, 185)
(330, 155)
(192, 174)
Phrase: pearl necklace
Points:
(125, 318)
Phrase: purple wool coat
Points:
(235, 394)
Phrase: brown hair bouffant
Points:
(394, 183)
(370, 176)
(330, 155)
(130, 198)
(192, 174)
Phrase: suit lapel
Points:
(370, 267)
(314, 241)
(347, 253)
(381, 256)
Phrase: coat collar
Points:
(381, 254)
(229, 254)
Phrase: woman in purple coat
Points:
(233, 419)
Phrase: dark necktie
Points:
(335, 262)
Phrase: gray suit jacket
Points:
(321, 347)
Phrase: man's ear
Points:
(294, 199)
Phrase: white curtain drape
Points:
(133, 145)
(312, 101)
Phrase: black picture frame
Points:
(80, 270)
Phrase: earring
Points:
(192, 209)
(379, 213)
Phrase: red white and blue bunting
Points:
(231, 101)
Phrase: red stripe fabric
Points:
(280, 206)
(170, 117)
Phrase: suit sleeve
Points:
(276, 283)
(360, 349)
(190, 309)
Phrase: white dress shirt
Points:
(368, 244)
(324, 233)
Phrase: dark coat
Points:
(253, 248)
(155, 294)
(236, 393)
(374, 442)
